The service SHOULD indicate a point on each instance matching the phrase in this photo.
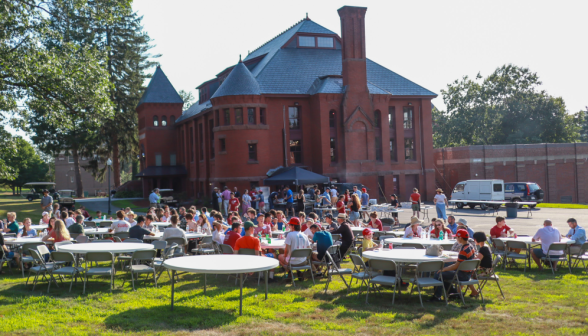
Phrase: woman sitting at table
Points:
(56, 211)
(131, 218)
(191, 225)
(218, 235)
(58, 234)
(374, 222)
(440, 227)
(414, 230)
(467, 252)
(27, 231)
(51, 225)
(204, 224)
(44, 219)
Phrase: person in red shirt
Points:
(232, 236)
(415, 198)
(375, 223)
(248, 241)
(234, 203)
(500, 229)
(340, 205)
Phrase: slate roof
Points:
(194, 110)
(239, 82)
(160, 90)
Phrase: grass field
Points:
(21, 206)
(562, 206)
(131, 204)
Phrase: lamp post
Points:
(108, 164)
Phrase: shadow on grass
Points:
(163, 318)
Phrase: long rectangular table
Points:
(493, 209)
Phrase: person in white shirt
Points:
(174, 231)
(414, 230)
(308, 232)
(294, 241)
(66, 219)
(120, 225)
(131, 218)
(218, 233)
(547, 235)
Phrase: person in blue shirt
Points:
(451, 225)
(289, 198)
(154, 198)
(356, 191)
(464, 222)
(323, 240)
(577, 234)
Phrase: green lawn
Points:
(562, 206)
(129, 203)
(536, 303)
(21, 206)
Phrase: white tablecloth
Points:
(106, 247)
(21, 241)
(529, 240)
(408, 256)
(189, 235)
(424, 242)
(275, 244)
(221, 264)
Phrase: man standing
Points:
(226, 197)
(273, 197)
(365, 199)
(154, 198)
(333, 196)
(234, 203)
(289, 198)
(451, 225)
(577, 234)
(237, 193)
(547, 235)
(357, 192)
(415, 199)
(46, 201)
(215, 199)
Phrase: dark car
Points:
(523, 192)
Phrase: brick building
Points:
(65, 176)
(308, 97)
(560, 169)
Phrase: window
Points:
(393, 150)
(191, 146)
(216, 118)
(293, 114)
(238, 116)
(163, 121)
(497, 187)
(251, 115)
(172, 120)
(70, 159)
(222, 144)
(262, 116)
(409, 149)
(459, 187)
(333, 150)
(201, 140)
(252, 152)
(378, 141)
(155, 121)
(392, 117)
(332, 119)
(306, 41)
(295, 151)
(172, 159)
(158, 160)
(408, 123)
(325, 42)
(211, 137)
(227, 117)
(377, 119)
(508, 188)
(71, 179)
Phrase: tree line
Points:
(71, 75)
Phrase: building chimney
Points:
(353, 50)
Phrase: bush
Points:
(128, 194)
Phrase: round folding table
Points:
(424, 242)
(106, 247)
(408, 256)
(221, 264)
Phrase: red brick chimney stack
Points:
(353, 36)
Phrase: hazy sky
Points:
(430, 42)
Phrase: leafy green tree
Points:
(506, 107)
(29, 165)
(188, 98)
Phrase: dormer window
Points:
(325, 42)
(306, 41)
(316, 42)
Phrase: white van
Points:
(478, 190)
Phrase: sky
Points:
(432, 43)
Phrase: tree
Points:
(506, 107)
(30, 166)
(187, 97)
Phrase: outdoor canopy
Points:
(295, 176)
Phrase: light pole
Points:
(108, 164)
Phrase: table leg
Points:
(204, 283)
(172, 290)
(266, 276)
(241, 294)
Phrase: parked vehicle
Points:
(478, 190)
(167, 197)
(65, 198)
(523, 192)
(36, 189)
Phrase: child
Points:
(98, 215)
(367, 242)
(485, 257)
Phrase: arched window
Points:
(377, 119)
(155, 121)
(332, 120)
(163, 121)
(172, 120)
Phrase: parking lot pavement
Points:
(521, 225)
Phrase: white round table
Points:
(97, 231)
(24, 240)
(424, 242)
(221, 264)
(275, 244)
(408, 256)
(529, 240)
(162, 224)
(106, 247)
(189, 235)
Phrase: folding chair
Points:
(44, 251)
(491, 276)
(419, 282)
(75, 235)
(252, 252)
(499, 249)
(467, 265)
(333, 268)
(105, 224)
(25, 250)
(205, 250)
(360, 271)
(116, 239)
(5, 259)
(336, 237)
(182, 242)
(90, 224)
(72, 271)
(446, 247)
(306, 265)
(512, 244)
(134, 240)
(168, 253)
(40, 267)
(226, 249)
(581, 256)
(81, 239)
(121, 235)
(91, 271)
(415, 245)
(148, 255)
(378, 279)
(59, 244)
(557, 257)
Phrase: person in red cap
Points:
(467, 252)
(295, 240)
